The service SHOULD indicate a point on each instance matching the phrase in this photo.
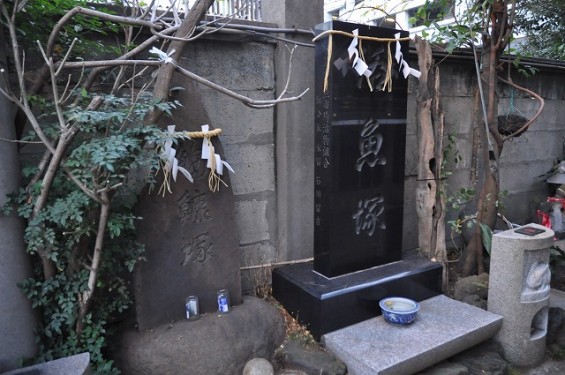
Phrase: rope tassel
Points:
(215, 162)
(170, 164)
(358, 61)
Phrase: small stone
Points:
(475, 300)
(483, 359)
(476, 284)
(258, 366)
(308, 358)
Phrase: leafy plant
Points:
(111, 147)
(37, 18)
(78, 198)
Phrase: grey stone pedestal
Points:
(78, 364)
(443, 328)
(519, 290)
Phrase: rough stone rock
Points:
(548, 367)
(446, 368)
(475, 300)
(483, 359)
(213, 344)
(258, 366)
(308, 358)
(472, 285)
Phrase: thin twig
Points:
(54, 87)
(66, 55)
(244, 99)
(31, 118)
(20, 141)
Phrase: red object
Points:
(558, 200)
(544, 218)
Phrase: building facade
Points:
(399, 14)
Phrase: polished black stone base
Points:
(327, 304)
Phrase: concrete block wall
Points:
(248, 68)
(295, 128)
(532, 154)
(17, 319)
(523, 159)
(271, 150)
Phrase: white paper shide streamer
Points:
(404, 67)
(163, 56)
(171, 162)
(361, 67)
(358, 64)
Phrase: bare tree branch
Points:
(244, 99)
(165, 75)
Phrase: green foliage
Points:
(38, 18)
(486, 236)
(525, 70)
(450, 155)
(539, 24)
(78, 201)
(466, 31)
(460, 198)
(432, 12)
(111, 145)
(543, 24)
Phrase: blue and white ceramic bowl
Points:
(399, 310)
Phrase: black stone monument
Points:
(360, 136)
(190, 234)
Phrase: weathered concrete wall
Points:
(532, 154)
(246, 67)
(523, 159)
(295, 128)
(271, 150)
(16, 317)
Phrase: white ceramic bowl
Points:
(399, 310)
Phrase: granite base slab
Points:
(78, 364)
(326, 304)
(443, 328)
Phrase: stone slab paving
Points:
(444, 327)
(78, 364)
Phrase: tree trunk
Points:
(165, 74)
(425, 185)
(430, 205)
(491, 146)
